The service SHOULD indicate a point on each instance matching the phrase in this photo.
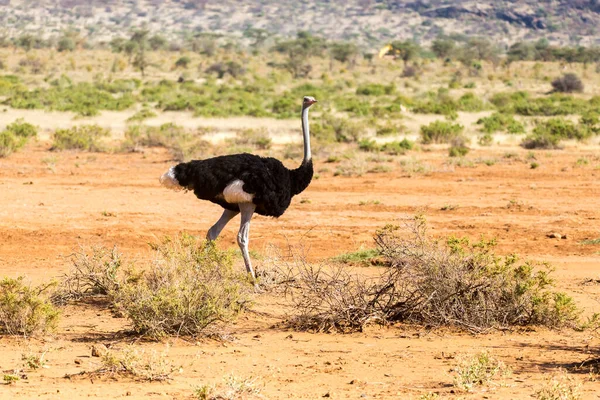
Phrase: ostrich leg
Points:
(216, 229)
(247, 209)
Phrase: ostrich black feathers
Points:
(272, 184)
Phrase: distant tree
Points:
(140, 38)
(203, 43)
(117, 44)
(130, 48)
(343, 51)
(299, 51)
(407, 50)
(67, 41)
(259, 36)
(25, 42)
(183, 62)
(230, 67)
(443, 48)
(568, 83)
(520, 51)
(157, 42)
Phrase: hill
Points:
(369, 22)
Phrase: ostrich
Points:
(244, 183)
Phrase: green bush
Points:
(9, 143)
(24, 310)
(368, 145)
(375, 89)
(458, 148)
(83, 137)
(556, 104)
(541, 141)
(183, 62)
(439, 103)
(9, 84)
(141, 115)
(188, 289)
(499, 122)
(22, 129)
(83, 98)
(335, 129)
(15, 135)
(561, 128)
(440, 132)
(470, 103)
(398, 147)
(388, 129)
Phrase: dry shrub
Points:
(559, 386)
(478, 370)
(430, 282)
(568, 83)
(84, 137)
(25, 310)
(188, 288)
(152, 366)
(94, 272)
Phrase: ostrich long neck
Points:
(301, 176)
(306, 134)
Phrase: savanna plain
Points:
(447, 247)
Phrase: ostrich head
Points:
(308, 101)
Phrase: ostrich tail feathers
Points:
(169, 181)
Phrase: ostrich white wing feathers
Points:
(234, 193)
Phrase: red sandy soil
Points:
(47, 211)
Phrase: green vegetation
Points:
(391, 148)
(499, 122)
(142, 115)
(83, 137)
(479, 370)
(85, 99)
(559, 386)
(15, 136)
(548, 134)
(189, 288)
(458, 147)
(361, 257)
(522, 103)
(25, 310)
(337, 129)
(440, 132)
(442, 103)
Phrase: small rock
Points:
(327, 394)
(98, 350)
(128, 394)
(78, 361)
(555, 235)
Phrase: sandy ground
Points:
(52, 202)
